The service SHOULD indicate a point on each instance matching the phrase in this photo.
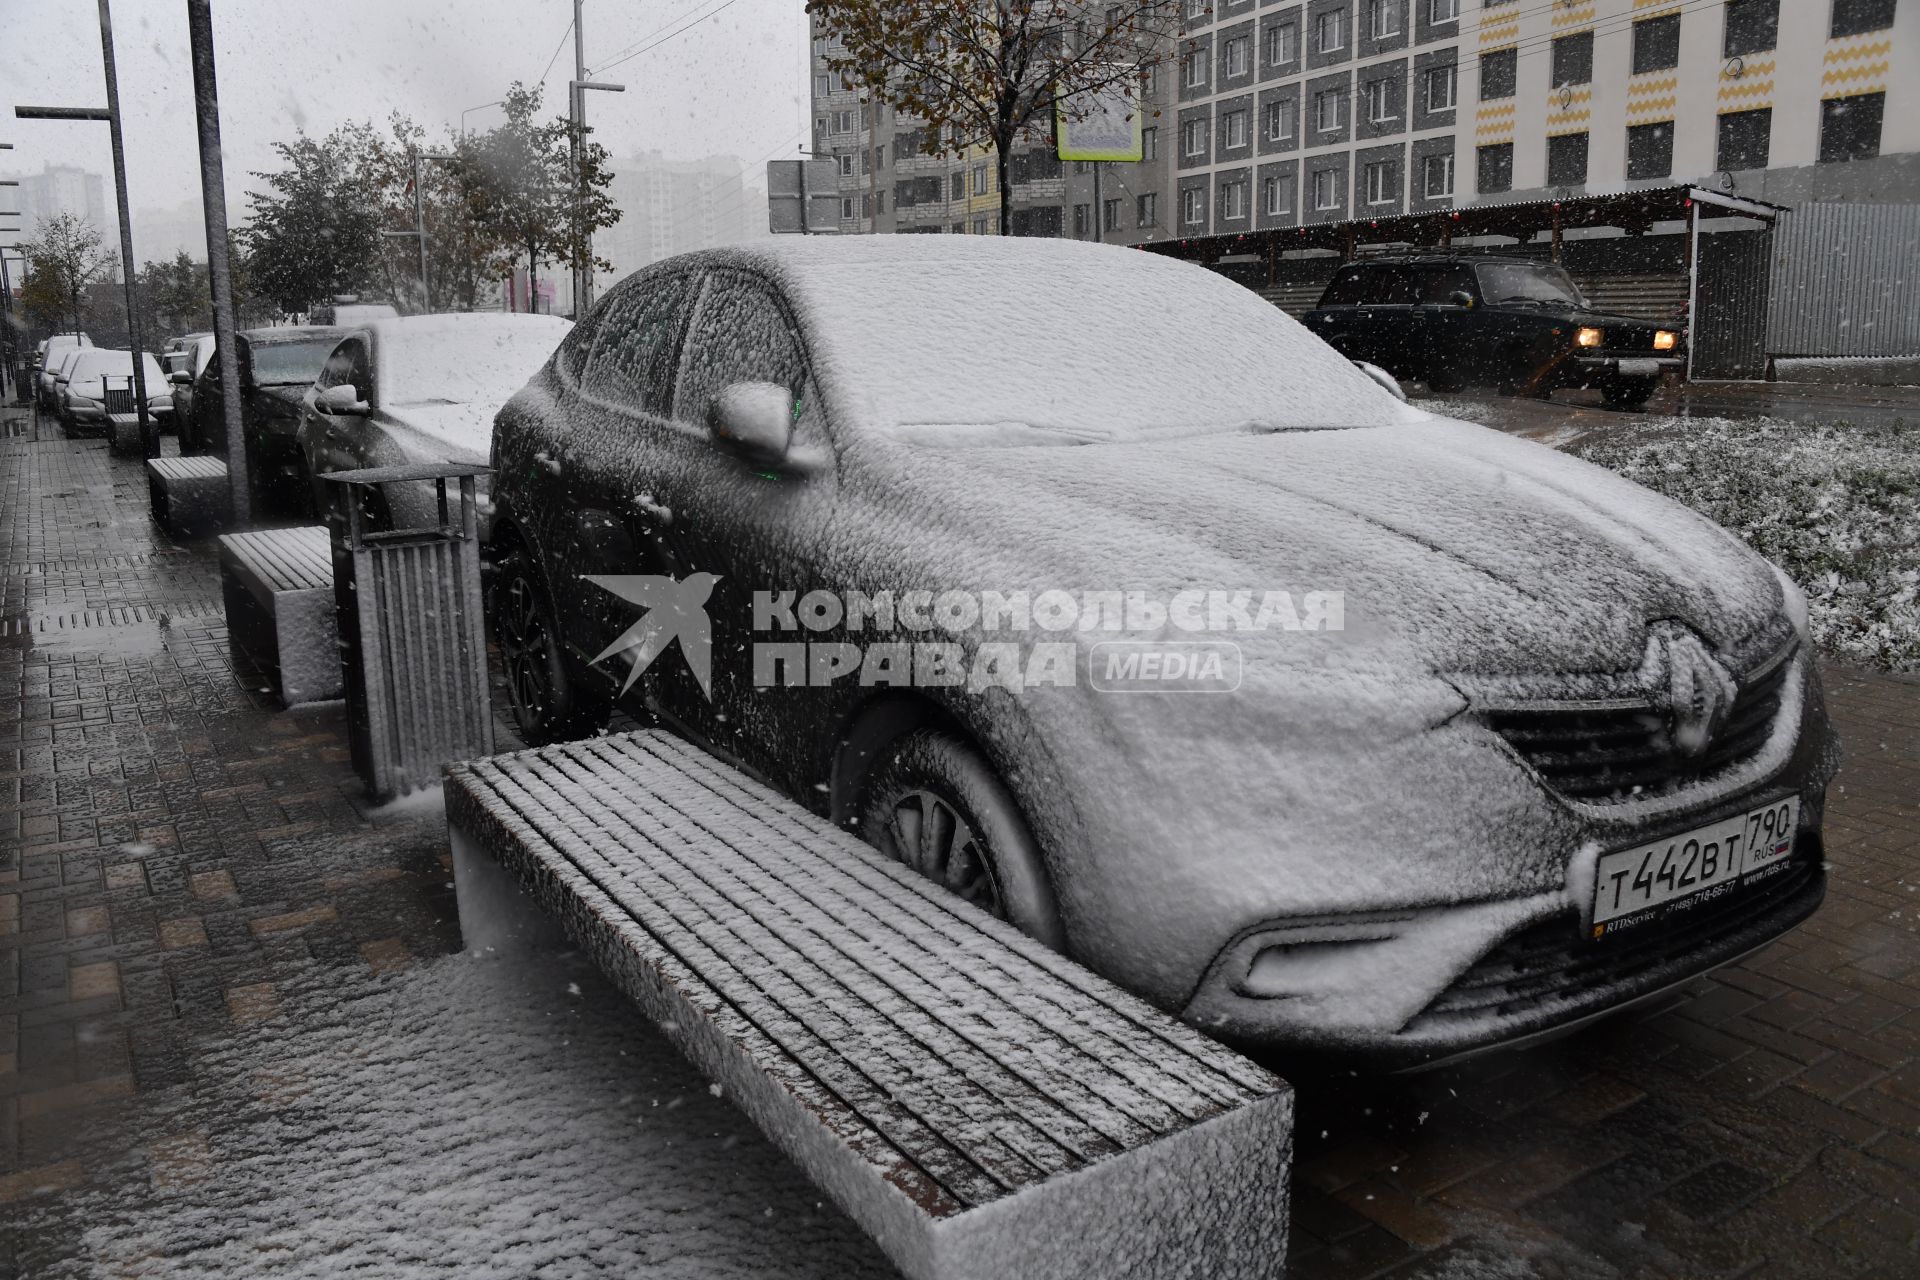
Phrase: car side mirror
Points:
(342, 401)
(180, 378)
(753, 421)
(1461, 298)
(1386, 381)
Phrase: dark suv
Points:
(1515, 323)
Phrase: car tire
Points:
(548, 705)
(1627, 393)
(935, 805)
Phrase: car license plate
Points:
(1640, 368)
(1644, 883)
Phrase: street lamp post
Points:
(213, 203)
(149, 429)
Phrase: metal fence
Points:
(1846, 281)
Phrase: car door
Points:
(335, 442)
(1448, 355)
(209, 408)
(1385, 334)
(1338, 320)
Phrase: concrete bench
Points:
(189, 496)
(278, 585)
(980, 1105)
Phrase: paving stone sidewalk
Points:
(174, 850)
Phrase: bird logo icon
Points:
(675, 610)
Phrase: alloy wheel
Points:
(526, 651)
(933, 838)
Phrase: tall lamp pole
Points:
(213, 202)
(577, 112)
(149, 429)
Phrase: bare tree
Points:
(64, 257)
(983, 72)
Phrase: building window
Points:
(1150, 143)
(822, 85)
(1193, 138)
(1650, 150)
(1379, 98)
(1239, 57)
(1753, 26)
(1326, 189)
(1851, 17)
(1384, 19)
(1573, 59)
(846, 206)
(1436, 176)
(1277, 120)
(1495, 168)
(846, 166)
(1233, 200)
(1193, 70)
(1193, 206)
(1197, 9)
(1567, 160)
(1382, 188)
(1744, 139)
(1276, 195)
(1329, 109)
(1656, 44)
(1850, 127)
(979, 179)
(1497, 74)
(842, 121)
(1233, 129)
(1443, 10)
(1082, 221)
(1147, 209)
(1329, 31)
(957, 187)
(1283, 44)
(982, 227)
(1440, 86)
(1151, 84)
(1110, 215)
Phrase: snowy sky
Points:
(733, 83)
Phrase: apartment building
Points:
(1333, 110)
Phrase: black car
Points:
(1518, 324)
(276, 368)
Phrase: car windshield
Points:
(463, 359)
(1528, 282)
(281, 364)
(92, 366)
(1117, 347)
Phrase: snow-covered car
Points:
(86, 378)
(184, 366)
(277, 366)
(52, 352)
(418, 389)
(1559, 746)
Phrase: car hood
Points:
(462, 432)
(1455, 548)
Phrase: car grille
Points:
(1610, 752)
(1549, 961)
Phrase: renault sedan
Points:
(1095, 588)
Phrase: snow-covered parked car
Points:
(1518, 743)
(418, 389)
(85, 379)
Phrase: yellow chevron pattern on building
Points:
(1576, 15)
(1506, 33)
(1495, 121)
(1560, 122)
(1654, 98)
(1746, 93)
(1662, 7)
(1855, 66)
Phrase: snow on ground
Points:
(474, 1117)
(1835, 504)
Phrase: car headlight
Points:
(1589, 337)
(1664, 339)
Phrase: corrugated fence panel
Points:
(1846, 281)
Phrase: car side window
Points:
(347, 366)
(1346, 287)
(1389, 287)
(741, 333)
(636, 341)
(1439, 283)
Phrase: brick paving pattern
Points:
(173, 848)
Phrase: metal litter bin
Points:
(412, 635)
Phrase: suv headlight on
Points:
(1587, 336)
(1665, 339)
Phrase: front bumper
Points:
(1615, 365)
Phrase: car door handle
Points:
(653, 509)
(548, 463)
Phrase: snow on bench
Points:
(980, 1105)
(278, 585)
(189, 496)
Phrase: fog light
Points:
(1663, 340)
(1589, 337)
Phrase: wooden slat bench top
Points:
(963, 1062)
(201, 467)
(284, 559)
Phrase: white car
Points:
(51, 352)
(419, 389)
(86, 378)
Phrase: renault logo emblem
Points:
(1699, 694)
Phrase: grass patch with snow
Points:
(1835, 504)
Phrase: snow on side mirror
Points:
(342, 401)
(1387, 381)
(180, 378)
(753, 421)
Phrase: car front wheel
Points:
(1627, 393)
(547, 705)
(936, 806)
